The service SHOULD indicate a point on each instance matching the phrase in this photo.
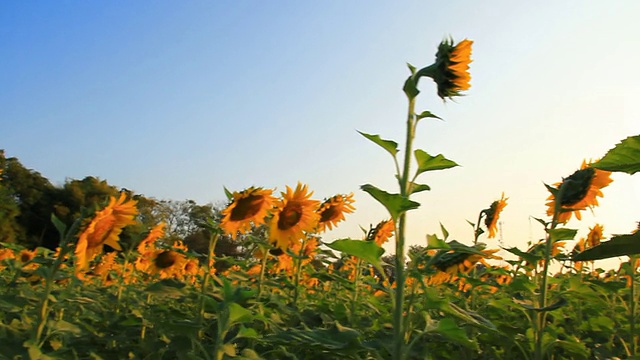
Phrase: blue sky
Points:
(175, 100)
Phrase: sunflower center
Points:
(290, 216)
(578, 186)
(330, 213)
(247, 207)
(24, 257)
(166, 259)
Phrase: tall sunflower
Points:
(581, 189)
(105, 229)
(332, 211)
(595, 235)
(493, 214)
(249, 206)
(294, 214)
(451, 69)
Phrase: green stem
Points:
(632, 307)
(296, 281)
(356, 284)
(398, 319)
(265, 255)
(213, 240)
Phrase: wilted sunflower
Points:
(382, 232)
(333, 209)
(581, 189)
(249, 206)
(294, 215)
(493, 214)
(105, 229)
(451, 69)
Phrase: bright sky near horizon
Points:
(175, 100)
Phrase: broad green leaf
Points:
(624, 157)
(169, 287)
(368, 251)
(433, 242)
(619, 245)
(389, 145)
(396, 204)
(562, 234)
(410, 88)
(64, 326)
(428, 114)
(526, 256)
(427, 162)
(238, 314)
(448, 328)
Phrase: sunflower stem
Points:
(262, 269)
(632, 306)
(398, 319)
(213, 240)
(356, 284)
(296, 280)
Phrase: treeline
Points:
(28, 200)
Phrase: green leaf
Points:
(448, 328)
(64, 326)
(416, 188)
(562, 234)
(445, 233)
(619, 245)
(228, 193)
(556, 305)
(396, 204)
(526, 256)
(427, 162)
(238, 314)
(169, 287)
(60, 226)
(410, 88)
(389, 145)
(624, 157)
(428, 114)
(411, 68)
(433, 242)
(368, 251)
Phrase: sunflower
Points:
(382, 232)
(493, 214)
(249, 206)
(105, 229)
(332, 211)
(294, 215)
(595, 235)
(154, 234)
(580, 191)
(451, 69)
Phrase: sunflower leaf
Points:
(428, 114)
(368, 251)
(624, 157)
(410, 87)
(562, 234)
(396, 204)
(389, 145)
(619, 245)
(427, 162)
(416, 188)
(448, 328)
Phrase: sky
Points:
(176, 100)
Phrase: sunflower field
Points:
(297, 295)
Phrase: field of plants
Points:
(298, 295)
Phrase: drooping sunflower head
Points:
(168, 263)
(595, 235)
(250, 206)
(452, 68)
(105, 229)
(332, 211)
(382, 232)
(294, 214)
(492, 214)
(579, 191)
(154, 234)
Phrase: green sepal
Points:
(389, 145)
(624, 157)
(411, 68)
(619, 245)
(228, 193)
(396, 204)
(427, 162)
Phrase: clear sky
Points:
(175, 100)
